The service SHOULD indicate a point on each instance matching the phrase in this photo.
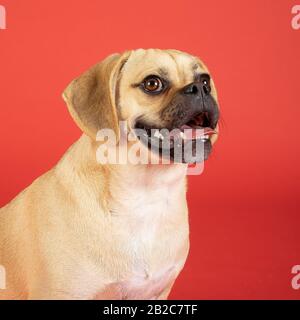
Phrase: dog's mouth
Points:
(193, 136)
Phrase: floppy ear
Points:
(91, 98)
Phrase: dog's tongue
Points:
(196, 132)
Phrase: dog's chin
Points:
(189, 143)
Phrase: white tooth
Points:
(182, 135)
(158, 135)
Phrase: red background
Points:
(244, 209)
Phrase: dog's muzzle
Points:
(191, 117)
(194, 103)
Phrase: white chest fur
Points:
(149, 235)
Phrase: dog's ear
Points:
(91, 98)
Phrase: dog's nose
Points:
(196, 88)
(191, 89)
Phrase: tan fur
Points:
(90, 231)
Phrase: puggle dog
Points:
(86, 230)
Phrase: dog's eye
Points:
(152, 84)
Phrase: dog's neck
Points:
(79, 167)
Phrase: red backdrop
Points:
(244, 209)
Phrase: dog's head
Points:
(151, 90)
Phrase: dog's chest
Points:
(150, 221)
(152, 246)
(148, 287)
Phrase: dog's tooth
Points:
(158, 135)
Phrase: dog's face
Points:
(150, 89)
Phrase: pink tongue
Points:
(195, 133)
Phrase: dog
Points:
(86, 230)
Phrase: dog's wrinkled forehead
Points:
(178, 67)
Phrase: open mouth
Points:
(191, 140)
(198, 128)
